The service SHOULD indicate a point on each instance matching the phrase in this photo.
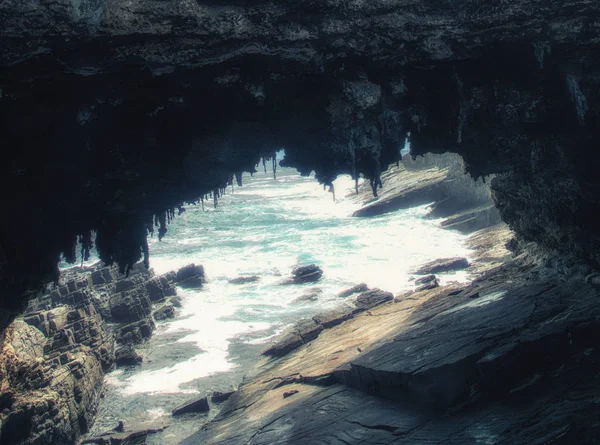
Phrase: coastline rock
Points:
(53, 358)
(244, 279)
(127, 356)
(311, 295)
(165, 312)
(117, 437)
(372, 298)
(442, 265)
(426, 279)
(306, 274)
(218, 396)
(428, 285)
(362, 287)
(190, 277)
(196, 406)
(335, 316)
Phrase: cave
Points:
(116, 116)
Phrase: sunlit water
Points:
(264, 228)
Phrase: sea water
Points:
(264, 228)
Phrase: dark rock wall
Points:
(113, 114)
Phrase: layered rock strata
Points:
(53, 357)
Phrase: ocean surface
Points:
(264, 228)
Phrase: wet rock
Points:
(127, 356)
(442, 265)
(292, 338)
(135, 437)
(333, 317)
(402, 295)
(311, 295)
(196, 406)
(428, 286)
(134, 333)
(245, 279)
(190, 277)
(164, 312)
(218, 396)
(306, 274)
(284, 344)
(362, 287)
(425, 280)
(372, 298)
(155, 290)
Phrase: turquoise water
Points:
(264, 228)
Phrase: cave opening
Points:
(121, 122)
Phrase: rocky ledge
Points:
(511, 358)
(54, 356)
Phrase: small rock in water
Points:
(362, 287)
(290, 393)
(244, 280)
(312, 295)
(190, 277)
(306, 274)
(195, 406)
(426, 279)
(442, 265)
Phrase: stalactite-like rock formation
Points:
(113, 113)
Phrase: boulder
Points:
(190, 277)
(306, 274)
(442, 265)
(127, 356)
(195, 406)
(372, 298)
(244, 279)
(362, 287)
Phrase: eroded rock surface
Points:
(509, 359)
(53, 358)
(339, 85)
